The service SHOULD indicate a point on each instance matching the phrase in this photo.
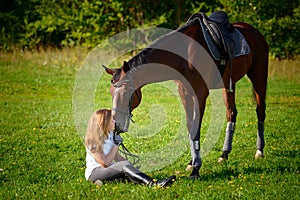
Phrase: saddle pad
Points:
(241, 46)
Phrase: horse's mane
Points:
(140, 58)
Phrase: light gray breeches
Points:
(114, 171)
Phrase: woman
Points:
(103, 161)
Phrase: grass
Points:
(42, 155)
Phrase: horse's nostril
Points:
(117, 128)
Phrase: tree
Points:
(41, 23)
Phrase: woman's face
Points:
(112, 124)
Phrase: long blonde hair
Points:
(97, 130)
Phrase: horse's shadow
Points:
(225, 174)
(230, 170)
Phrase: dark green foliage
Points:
(42, 23)
(278, 21)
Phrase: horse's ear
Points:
(108, 70)
(126, 66)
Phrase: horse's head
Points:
(124, 96)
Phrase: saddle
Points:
(223, 40)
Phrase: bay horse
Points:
(186, 56)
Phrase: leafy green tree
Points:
(277, 20)
(34, 24)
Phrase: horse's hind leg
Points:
(259, 90)
(231, 113)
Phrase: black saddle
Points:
(220, 29)
(219, 17)
(221, 36)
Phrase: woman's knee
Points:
(119, 165)
(125, 162)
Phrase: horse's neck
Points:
(162, 60)
(168, 59)
(152, 73)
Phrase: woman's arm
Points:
(105, 161)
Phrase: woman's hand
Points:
(118, 140)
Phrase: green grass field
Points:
(42, 155)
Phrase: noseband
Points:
(127, 112)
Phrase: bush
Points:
(42, 23)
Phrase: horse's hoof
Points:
(195, 173)
(194, 177)
(189, 168)
(221, 160)
(259, 154)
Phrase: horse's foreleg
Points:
(196, 161)
(188, 104)
(194, 136)
(191, 107)
(194, 132)
(231, 113)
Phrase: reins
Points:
(127, 112)
(127, 153)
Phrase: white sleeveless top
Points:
(91, 162)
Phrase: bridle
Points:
(128, 116)
(126, 112)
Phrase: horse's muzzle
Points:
(118, 130)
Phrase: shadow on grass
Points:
(286, 162)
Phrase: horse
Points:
(186, 56)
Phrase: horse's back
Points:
(258, 46)
(254, 38)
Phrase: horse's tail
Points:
(253, 95)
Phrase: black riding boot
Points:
(137, 176)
